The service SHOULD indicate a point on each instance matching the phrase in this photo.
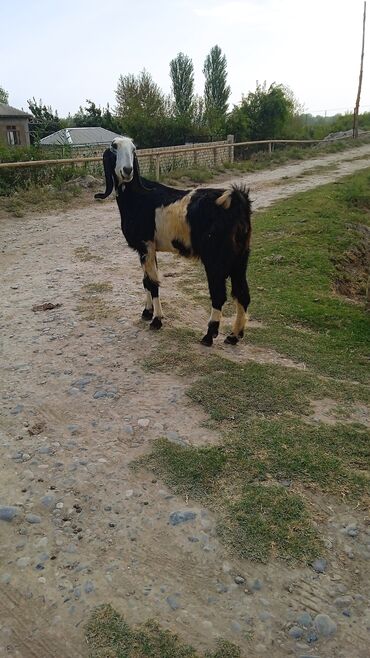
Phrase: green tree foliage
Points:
(265, 113)
(182, 77)
(4, 96)
(216, 89)
(45, 121)
(139, 95)
(91, 115)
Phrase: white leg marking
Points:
(157, 307)
(215, 315)
(240, 319)
(148, 301)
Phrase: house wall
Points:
(20, 124)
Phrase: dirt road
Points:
(78, 527)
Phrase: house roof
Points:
(80, 136)
(8, 111)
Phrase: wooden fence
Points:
(158, 154)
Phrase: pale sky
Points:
(67, 51)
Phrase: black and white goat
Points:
(209, 224)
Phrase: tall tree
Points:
(216, 89)
(182, 77)
(139, 95)
(4, 96)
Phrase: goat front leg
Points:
(217, 289)
(151, 285)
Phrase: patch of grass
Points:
(92, 305)
(38, 199)
(192, 174)
(310, 233)
(268, 521)
(109, 636)
(263, 413)
(84, 254)
(97, 288)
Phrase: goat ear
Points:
(109, 163)
(137, 178)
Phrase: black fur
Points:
(220, 235)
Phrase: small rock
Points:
(103, 394)
(343, 601)
(304, 619)
(7, 513)
(5, 578)
(143, 422)
(47, 501)
(33, 518)
(235, 626)
(23, 562)
(256, 586)
(324, 625)
(346, 612)
(311, 637)
(352, 530)
(181, 517)
(319, 565)
(128, 429)
(89, 587)
(296, 632)
(239, 580)
(173, 602)
(193, 539)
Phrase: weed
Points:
(110, 636)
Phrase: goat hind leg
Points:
(217, 289)
(240, 292)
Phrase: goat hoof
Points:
(207, 340)
(231, 340)
(147, 314)
(241, 334)
(156, 323)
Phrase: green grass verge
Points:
(305, 251)
(109, 636)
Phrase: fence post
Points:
(230, 140)
(270, 148)
(157, 166)
(215, 155)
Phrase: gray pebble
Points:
(7, 513)
(235, 626)
(33, 518)
(256, 586)
(324, 625)
(16, 410)
(304, 619)
(346, 612)
(311, 637)
(352, 530)
(343, 601)
(193, 539)
(296, 632)
(174, 437)
(5, 578)
(319, 565)
(89, 587)
(181, 517)
(221, 588)
(173, 602)
(77, 593)
(23, 562)
(103, 394)
(239, 580)
(47, 501)
(128, 429)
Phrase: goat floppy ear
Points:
(138, 183)
(109, 163)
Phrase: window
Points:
(14, 136)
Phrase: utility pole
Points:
(357, 106)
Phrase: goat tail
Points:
(237, 203)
